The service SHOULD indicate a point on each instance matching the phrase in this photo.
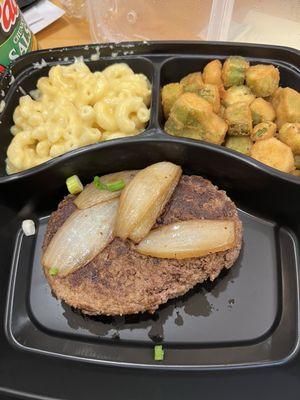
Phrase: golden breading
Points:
(239, 119)
(297, 161)
(241, 144)
(192, 82)
(289, 134)
(212, 73)
(274, 153)
(233, 71)
(262, 111)
(193, 117)
(237, 94)
(221, 112)
(210, 93)
(262, 79)
(169, 95)
(296, 172)
(287, 106)
(275, 97)
(262, 131)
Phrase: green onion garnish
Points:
(99, 185)
(53, 271)
(158, 352)
(74, 184)
(114, 186)
(111, 186)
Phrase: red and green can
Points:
(15, 36)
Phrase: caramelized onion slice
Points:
(144, 198)
(91, 196)
(82, 236)
(186, 239)
(144, 227)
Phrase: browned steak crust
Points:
(120, 281)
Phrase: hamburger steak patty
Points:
(121, 281)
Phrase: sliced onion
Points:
(91, 196)
(142, 229)
(186, 239)
(143, 200)
(82, 236)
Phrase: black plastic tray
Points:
(249, 317)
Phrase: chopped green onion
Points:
(74, 184)
(53, 271)
(99, 185)
(158, 352)
(112, 186)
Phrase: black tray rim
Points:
(154, 133)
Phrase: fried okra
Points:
(262, 111)
(221, 112)
(274, 99)
(262, 79)
(237, 94)
(169, 95)
(242, 144)
(273, 153)
(193, 117)
(210, 93)
(289, 134)
(262, 131)
(286, 102)
(296, 172)
(212, 73)
(239, 119)
(297, 161)
(233, 71)
(192, 82)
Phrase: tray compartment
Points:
(229, 323)
(27, 80)
(174, 69)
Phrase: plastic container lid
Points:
(256, 21)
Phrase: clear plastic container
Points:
(258, 21)
(122, 20)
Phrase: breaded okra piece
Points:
(169, 94)
(262, 79)
(233, 71)
(274, 153)
(262, 111)
(237, 94)
(212, 73)
(296, 172)
(297, 161)
(286, 102)
(193, 117)
(262, 131)
(289, 134)
(210, 93)
(241, 144)
(239, 119)
(192, 82)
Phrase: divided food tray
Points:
(248, 317)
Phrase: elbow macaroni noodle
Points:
(74, 107)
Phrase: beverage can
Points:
(15, 36)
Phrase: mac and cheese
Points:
(74, 107)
